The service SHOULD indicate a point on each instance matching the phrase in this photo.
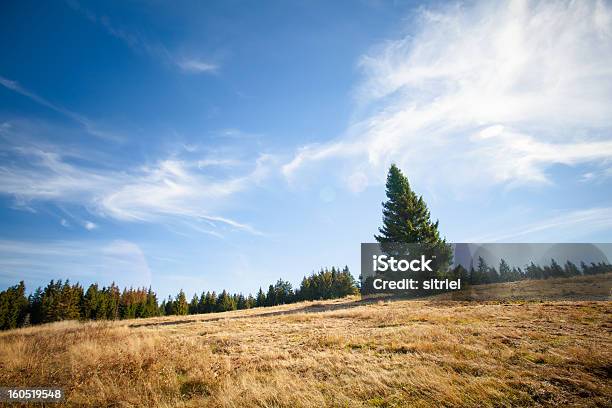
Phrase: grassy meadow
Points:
(347, 353)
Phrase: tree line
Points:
(482, 273)
(62, 300)
(325, 284)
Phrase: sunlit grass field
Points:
(348, 352)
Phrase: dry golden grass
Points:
(596, 287)
(336, 353)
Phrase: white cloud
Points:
(216, 162)
(89, 226)
(495, 92)
(175, 188)
(197, 66)
(140, 44)
(597, 176)
(167, 190)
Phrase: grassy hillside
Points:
(435, 352)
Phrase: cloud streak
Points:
(168, 190)
(87, 124)
(140, 44)
(197, 66)
(552, 228)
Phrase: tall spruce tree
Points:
(260, 300)
(406, 218)
(193, 305)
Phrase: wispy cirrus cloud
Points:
(196, 66)
(557, 228)
(89, 125)
(480, 94)
(170, 190)
(140, 44)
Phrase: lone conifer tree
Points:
(406, 217)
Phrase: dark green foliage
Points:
(63, 300)
(169, 306)
(283, 292)
(327, 284)
(250, 302)
(202, 302)
(94, 305)
(270, 296)
(58, 301)
(260, 301)
(459, 272)
(151, 308)
(485, 274)
(481, 273)
(225, 302)
(556, 271)
(193, 305)
(504, 271)
(180, 305)
(13, 307)
(211, 302)
(406, 217)
(241, 302)
(571, 269)
(162, 308)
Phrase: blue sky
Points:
(211, 145)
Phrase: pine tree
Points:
(260, 300)
(250, 302)
(283, 292)
(35, 300)
(162, 308)
(461, 273)
(492, 275)
(211, 302)
(225, 302)
(180, 305)
(193, 305)
(202, 303)
(556, 271)
(113, 297)
(271, 296)
(151, 309)
(241, 302)
(571, 269)
(505, 275)
(406, 220)
(482, 272)
(406, 217)
(533, 271)
(169, 306)
(13, 307)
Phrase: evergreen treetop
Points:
(406, 217)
